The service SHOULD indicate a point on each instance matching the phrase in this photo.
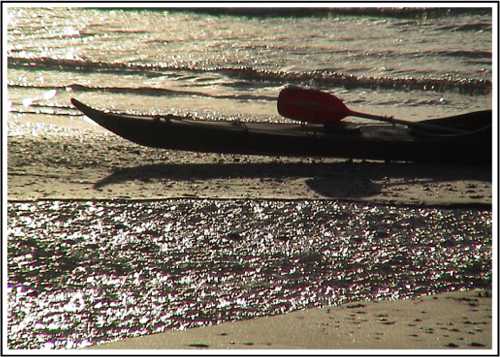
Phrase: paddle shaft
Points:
(407, 123)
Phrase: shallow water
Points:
(88, 272)
(214, 64)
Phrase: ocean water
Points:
(86, 272)
(232, 63)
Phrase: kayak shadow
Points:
(333, 179)
(207, 171)
(340, 187)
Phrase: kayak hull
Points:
(378, 142)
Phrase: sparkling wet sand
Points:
(79, 166)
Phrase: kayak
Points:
(368, 141)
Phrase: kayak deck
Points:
(380, 142)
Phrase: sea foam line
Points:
(319, 77)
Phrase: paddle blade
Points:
(311, 105)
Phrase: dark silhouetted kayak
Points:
(366, 141)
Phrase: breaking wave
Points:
(317, 77)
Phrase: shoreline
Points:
(451, 320)
(453, 205)
(89, 165)
(116, 248)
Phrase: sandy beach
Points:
(85, 163)
(113, 247)
(455, 320)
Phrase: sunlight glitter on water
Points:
(230, 55)
(202, 262)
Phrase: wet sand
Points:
(87, 163)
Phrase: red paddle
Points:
(317, 107)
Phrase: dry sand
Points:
(84, 162)
(443, 321)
